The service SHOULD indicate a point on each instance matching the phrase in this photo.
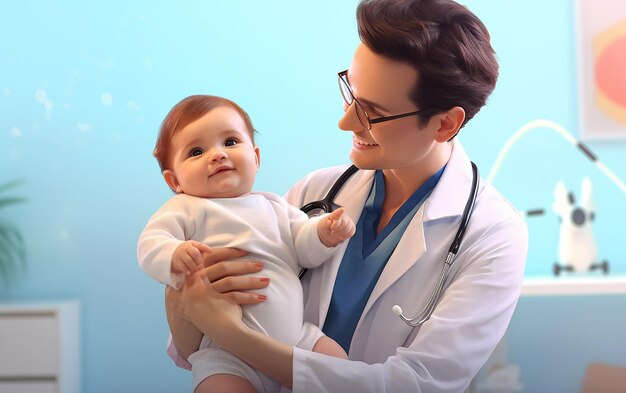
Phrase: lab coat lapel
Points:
(352, 198)
(447, 199)
(410, 249)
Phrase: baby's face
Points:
(214, 156)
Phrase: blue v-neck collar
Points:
(373, 208)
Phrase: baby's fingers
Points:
(343, 233)
(343, 229)
(195, 253)
(179, 265)
(189, 263)
(187, 260)
(201, 246)
(336, 214)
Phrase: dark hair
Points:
(186, 112)
(444, 41)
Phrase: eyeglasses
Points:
(361, 113)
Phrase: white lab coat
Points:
(386, 355)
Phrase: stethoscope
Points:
(326, 205)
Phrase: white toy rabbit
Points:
(577, 246)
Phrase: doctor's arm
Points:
(449, 350)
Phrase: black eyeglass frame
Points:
(343, 80)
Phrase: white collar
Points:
(449, 197)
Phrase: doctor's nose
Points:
(350, 121)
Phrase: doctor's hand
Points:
(218, 315)
(228, 275)
(225, 274)
(335, 228)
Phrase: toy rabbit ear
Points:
(586, 196)
(561, 203)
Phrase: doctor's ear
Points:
(170, 179)
(450, 124)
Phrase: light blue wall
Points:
(84, 86)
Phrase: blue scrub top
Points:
(366, 256)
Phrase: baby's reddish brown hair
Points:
(186, 112)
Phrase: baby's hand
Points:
(188, 256)
(335, 228)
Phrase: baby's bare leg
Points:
(225, 383)
(328, 346)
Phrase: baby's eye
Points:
(196, 151)
(231, 142)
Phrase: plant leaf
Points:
(11, 201)
(11, 184)
(7, 264)
(21, 247)
(12, 247)
(4, 270)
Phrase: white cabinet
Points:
(39, 347)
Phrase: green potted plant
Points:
(12, 246)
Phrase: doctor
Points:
(423, 69)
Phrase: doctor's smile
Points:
(360, 144)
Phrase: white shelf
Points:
(574, 285)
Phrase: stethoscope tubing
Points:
(327, 205)
(427, 310)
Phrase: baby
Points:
(207, 155)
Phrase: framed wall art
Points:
(601, 32)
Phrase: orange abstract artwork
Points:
(610, 71)
(601, 27)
